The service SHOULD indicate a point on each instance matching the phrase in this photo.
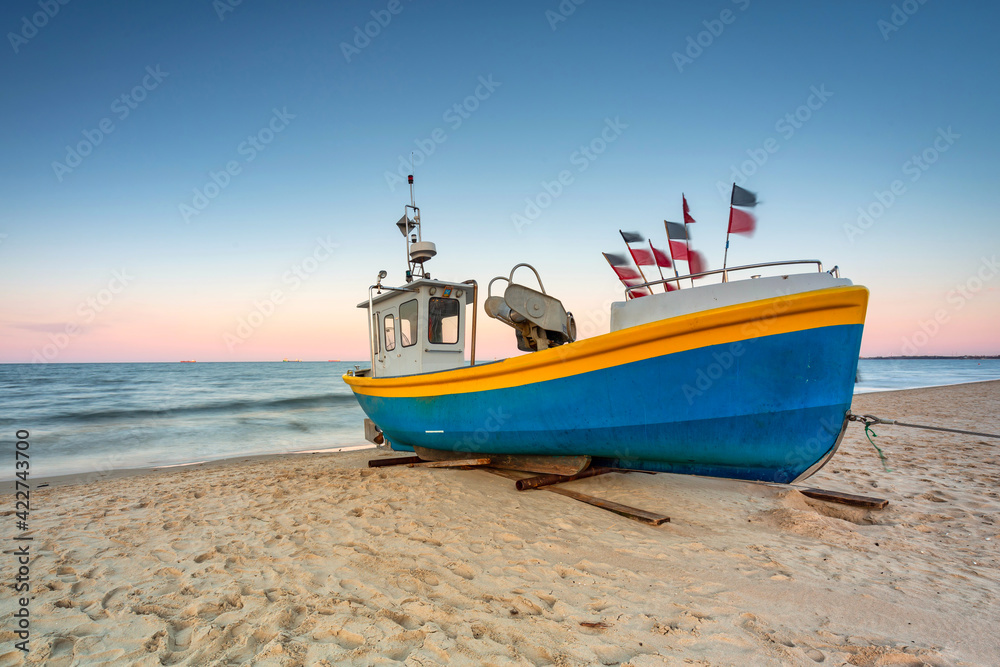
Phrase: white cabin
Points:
(419, 328)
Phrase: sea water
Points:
(95, 417)
(891, 374)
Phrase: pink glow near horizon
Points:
(135, 334)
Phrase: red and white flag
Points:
(660, 258)
(741, 222)
(679, 250)
(640, 256)
(696, 262)
(687, 212)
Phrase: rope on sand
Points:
(868, 420)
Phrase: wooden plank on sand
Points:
(846, 498)
(624, 510)
(456, 463)
(548, 480)
(555, 465)
(643, 516)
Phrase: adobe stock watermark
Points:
(914, 168)
(589, 323)
(810, 449)
(491, 424)
(266, 306)
(581, 158)
(564, 10)
(697, 44)
(381, 18)
(122, 106)
(31, 25)
(248, 149)
(786, 127)
(454, 116)
(724, 361)
(901, 13)
(956, 298)
(87, 311)
(223, 7)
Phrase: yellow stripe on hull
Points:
(730, 324)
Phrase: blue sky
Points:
(684, 116)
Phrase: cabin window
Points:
(375, 333)
(390, 333)
(408, 323)
(442, 320)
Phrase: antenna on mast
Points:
(417, 251)
(413, 170)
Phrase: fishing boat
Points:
(748, 378)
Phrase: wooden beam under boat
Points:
(553, 465)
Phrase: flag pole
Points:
(667, 230)
(637, 265)
(628, 288)
(725, 275)
(687, 234)
(657, 265)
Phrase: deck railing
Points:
(835, 271)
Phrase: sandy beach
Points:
(319, 560)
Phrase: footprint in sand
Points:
(361, 590)
(511, 540)
(404, 621)
(342, 638)
(156, 642)
(814, 654)
(178, 642)
(461, 569)
(398, 647)
(549, 600)
(291, 617)
(425, 576)
(62, 652)
(165, 556)
(106, 600)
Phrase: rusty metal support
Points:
(457, 463)
(398, 461)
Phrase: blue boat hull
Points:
(768, 408)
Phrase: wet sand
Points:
(317, 559)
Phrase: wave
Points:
(117, 414)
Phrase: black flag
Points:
(675, 230)
(743, 197)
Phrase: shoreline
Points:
(52, 481)
(930, 386)
(76, 478)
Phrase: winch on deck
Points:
(539, 320)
